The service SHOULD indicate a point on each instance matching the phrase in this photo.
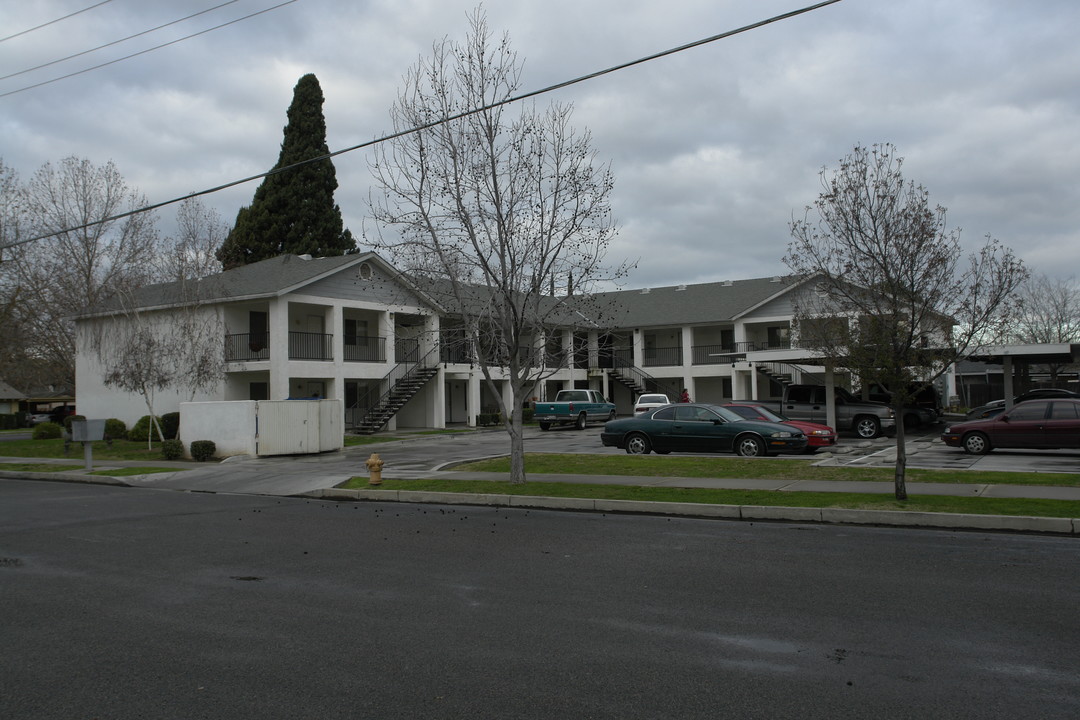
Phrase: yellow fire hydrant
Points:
(374, 465)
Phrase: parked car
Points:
(817, 435)
(38, 418)
(995, 407)
(1042, 424)
(808, 402)
(574, 407)
(923, 408)
(697, 427)
(650, 401)
(57, 414)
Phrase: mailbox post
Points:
(86, 432)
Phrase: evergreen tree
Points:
(293, 210)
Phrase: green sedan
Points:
(695, 427)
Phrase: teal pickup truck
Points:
(574, 407)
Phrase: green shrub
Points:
(203, 449)
(47, 431)
(172, 449)
(9, 421)
(70, 419)
(170, 425)
(115, 429)
(143, 429)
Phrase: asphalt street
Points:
(122, 603)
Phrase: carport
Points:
(1012, 356)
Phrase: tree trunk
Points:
(517, 444)
(899, 484)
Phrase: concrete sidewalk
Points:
(318, 476)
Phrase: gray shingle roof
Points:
(691, 304)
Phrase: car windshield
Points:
(653, 399)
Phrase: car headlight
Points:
(821, 432)
(947, 430)
(781, 434)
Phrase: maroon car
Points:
(819, 436)
(1039, 424)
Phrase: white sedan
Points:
(649, 401)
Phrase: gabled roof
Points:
(267, 278)
(9, 393)
(691, 304)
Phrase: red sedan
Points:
(820, 436)
(1038, 424)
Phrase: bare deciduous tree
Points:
(1049, 313)
(889, 294)
(493, 209)
(192, 252)
(79, 268)
(146, 352)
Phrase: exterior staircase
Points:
(639, 381)
(405, 380)
(783, 373)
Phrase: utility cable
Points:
(143, 52)
(30, 30)
(117, 42)
(434, 123)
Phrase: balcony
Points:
(714, 354)
(662, 357)
(254, 347)
(364, 349)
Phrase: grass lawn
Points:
(854, 501)
(38, 467)
(752, 469)
(119, 450)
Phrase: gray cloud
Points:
(713, 149)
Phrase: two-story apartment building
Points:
(355, 329)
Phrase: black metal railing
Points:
(406, 350)
(247, 347)
(310, 346)
(373, 398)
(666, 356)
(364, 349)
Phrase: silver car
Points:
(650, 401)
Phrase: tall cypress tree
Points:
(293, 210)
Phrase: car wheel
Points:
(579, 424)
(868, 427)
(749, 446)
(545, 425)
(611, 416)
(976, 444)
(638, 444)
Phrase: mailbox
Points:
(87, 430)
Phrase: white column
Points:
(278, 320)
(638, 359)
(472, 397)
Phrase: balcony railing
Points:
(364, 349)
(665, 356)
(247, 347)
(310, 346)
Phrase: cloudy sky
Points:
(713, 149)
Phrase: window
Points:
(667, 413)
(1029, 411)
(1063, 411)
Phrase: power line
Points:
(143, 52)
(441, 121)
(116, 42)
(30, 30)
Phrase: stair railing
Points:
(401, 372)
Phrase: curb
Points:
(831, 516)
(69, 477)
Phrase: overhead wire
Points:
(52, 22)
(440, 121)
(148, 50)
(116, 42)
